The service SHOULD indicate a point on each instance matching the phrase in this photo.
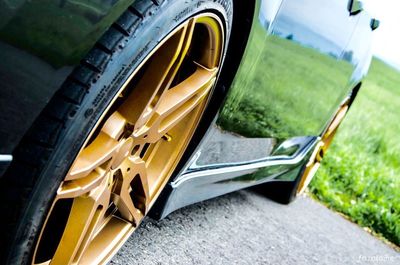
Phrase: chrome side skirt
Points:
(5, 161)
(207, 182)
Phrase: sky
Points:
(386, 42)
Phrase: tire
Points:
(283, 192)
(48, 150)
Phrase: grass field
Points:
(275, 96)
(60, 32)
(283, 90)
(360, 176)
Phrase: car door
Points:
(293, 76)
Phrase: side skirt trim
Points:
(192, 187)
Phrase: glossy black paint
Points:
(294, 73)
(302, 59)
(40, 43)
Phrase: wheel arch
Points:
(85, 83)
(243, 15)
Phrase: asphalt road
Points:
(246, 228)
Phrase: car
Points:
(111, 111)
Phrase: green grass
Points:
(274, 93)
(60, 32)
(360, 175)
(284, 90)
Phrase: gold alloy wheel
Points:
(134, 148)
(326, 139)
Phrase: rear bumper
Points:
(5, 161)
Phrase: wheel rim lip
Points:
(321, 148)
(221, 29)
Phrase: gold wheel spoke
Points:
(100, 151)
(83, 222)
(311, 168)
(321, 148)
(131, 179)
(134, 147)
(158, 76)
(337, 120)
(115, 126)
(180, 101)
(331, 131)
(78, 187)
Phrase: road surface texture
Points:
(246, 228)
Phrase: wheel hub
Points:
(131, 153)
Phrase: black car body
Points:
(42, 41)
(292, 64)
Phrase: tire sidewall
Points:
(103, 89)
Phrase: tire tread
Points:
(35, 149)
